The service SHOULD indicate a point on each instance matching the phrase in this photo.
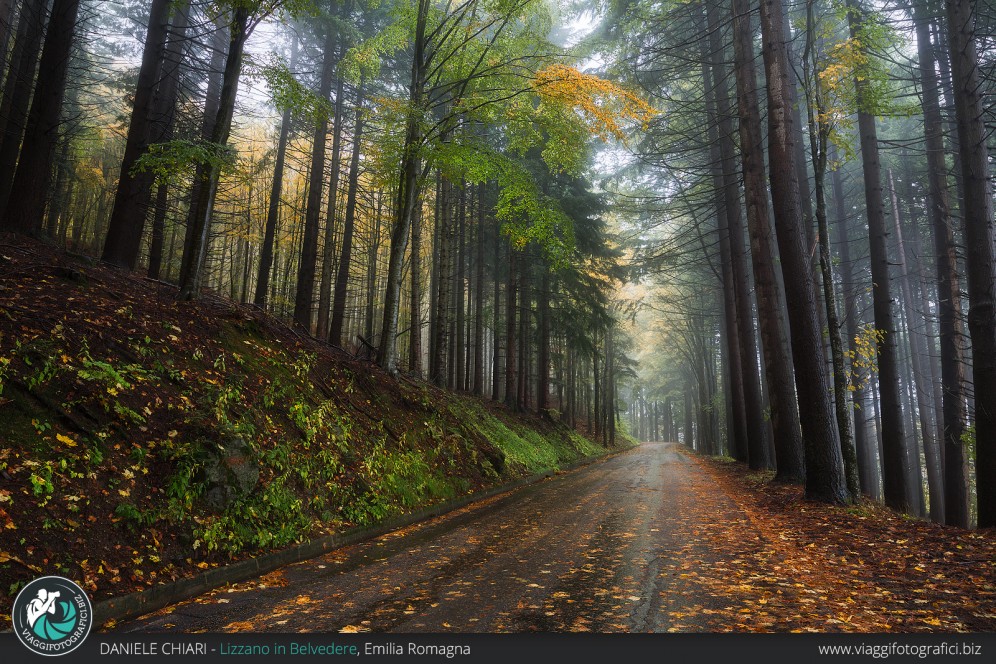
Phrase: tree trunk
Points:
(743, 326)
(688, 437)
(953, 415)
(345, 258)
(511, 309)
(373, 246)
(543, 343)
(819, 143)
(415, 340)
(6, 22)
(459, 299)
(408, 195)
(17, 90)
(525, 337)
(437, 362)
(824, 463)
(162, 127)
(781, 390)
(57, 207)
(918, 355)
(331, 214)
(980, 236)
(478, 387)
(496, 321)
(305, 292)
(41, 134)
(273, 209)
(893, 431)
(124, 233)
(841, 408)
(195, 251)
(865, 449)
(158, 231)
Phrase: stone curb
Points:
(156, 597)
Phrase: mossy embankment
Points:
(142, 439)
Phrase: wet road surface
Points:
(600, 549)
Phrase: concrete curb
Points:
(156, 597)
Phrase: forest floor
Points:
(655, 539)
(143, 440)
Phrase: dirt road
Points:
(598, 549)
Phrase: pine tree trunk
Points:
(864, 447)
(272, 214)
(980, 241)
(158, 231)
(478, 387)
(525, 338)
(162, 127)
(437, 362)
(688, 436)
(780, 383)
(329, 264)
(195, 251)
(25, 211)
(6, 22)
(893, 431)
(543, 344)
(372, 247)
(496, 322)
(57, 207)
(415, 340)
(511, 309)
(460, 291)
(918, 355)
(819, 143)
(221, 43)
(823, 460)
(712, 78)
(952, 414)
(744, 325)
(124, 233)
(17, 91)
(345, 258)
(408, 194)
(304, 294)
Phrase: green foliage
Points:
(272, 518)
(132, 516)
(363, 61)
(4, 370)
(170, 160)
(398, 481)
(527, 214)
(843, 62)
(286, 91)
(525, 449)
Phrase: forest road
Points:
(600, 549)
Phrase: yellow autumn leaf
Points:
(65, 440)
